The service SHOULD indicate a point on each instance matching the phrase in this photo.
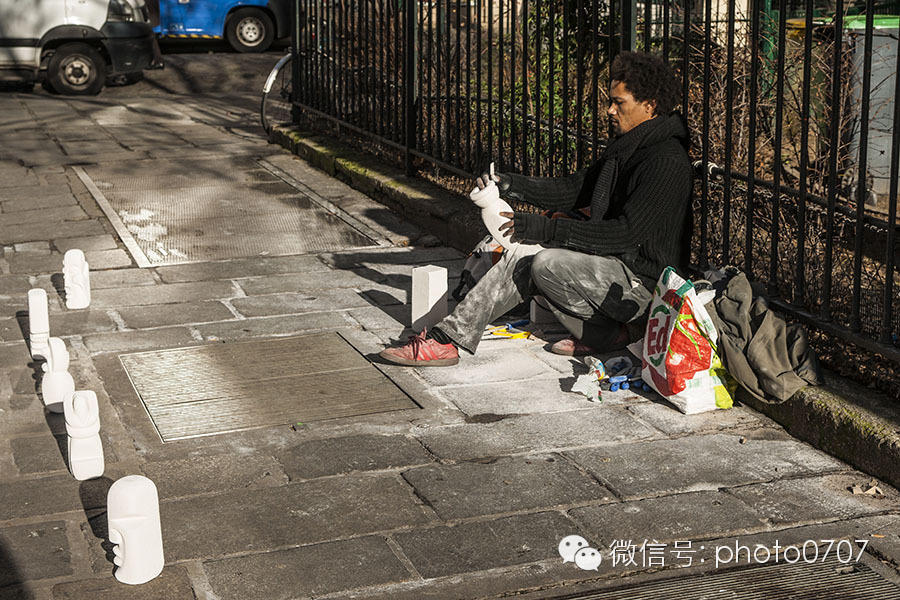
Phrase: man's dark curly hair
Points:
(647, 77)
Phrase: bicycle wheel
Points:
(275, 107)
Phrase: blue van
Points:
(248, 25)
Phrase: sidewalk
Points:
(467, 496)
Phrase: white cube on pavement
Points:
(429, 296)
(540, 314)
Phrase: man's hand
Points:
(501, 180)
(508, 227)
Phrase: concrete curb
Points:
(451, 217)
(853, 423)
(857, 425)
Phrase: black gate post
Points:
(409, 82)
(629, 24)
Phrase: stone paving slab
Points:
(14, 284)
(87, 244)
(172, 584)
(308, 570)
(668, 466)
(30, 552)
(140, 317)
(52, 263)
(245, 267)
(692, 516)
(535, 396)
(24, 414)
(812, 499)
(412, 255)
(43, 496)
(279, 304)
(216, 473)
(272, 326)
(35, 198)
(172, 293)
(338, 456)
(475, 489)
(131, 341)
(488, 367)
(38, 231)
(54, 214)
(78, 322)
(598, 426)
(300, 513)
(49, 453)
(118, 278)
(671, 421)
(477, 546)
(292, 282)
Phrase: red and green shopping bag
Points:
(679, 358)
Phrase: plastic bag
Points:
(679, 358)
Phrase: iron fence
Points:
(790, 104)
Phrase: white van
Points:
(75, 44)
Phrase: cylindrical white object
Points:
(57, 386)
(83, 426)
(38, 323)
(132, 507)
(488, 199)
(76, 274)
(429, 296)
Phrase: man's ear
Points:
(651, 105)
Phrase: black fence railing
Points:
(790, 104)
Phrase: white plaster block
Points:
(539, 314)
(429, 296)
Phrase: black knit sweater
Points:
(642, 220)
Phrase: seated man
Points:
(596, 274)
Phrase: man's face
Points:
(625, 113)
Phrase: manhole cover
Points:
(199, 210)
(818, 580)
(220, 388)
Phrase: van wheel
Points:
(250, 30)
(76, 69)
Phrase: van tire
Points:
(76, 69)
(250, 30)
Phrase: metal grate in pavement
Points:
(196, 210)
(826, 580)
(221, 388)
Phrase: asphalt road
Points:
(200, 68)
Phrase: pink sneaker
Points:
(571, 347)
(422, 352)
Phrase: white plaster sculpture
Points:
(429, 296)
(57, 386)
(38, 324)
(132, 507)
(83, 426)
(77, 279)
(488, 199)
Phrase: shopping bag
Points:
(679, 356)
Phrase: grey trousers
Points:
(593, 296)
